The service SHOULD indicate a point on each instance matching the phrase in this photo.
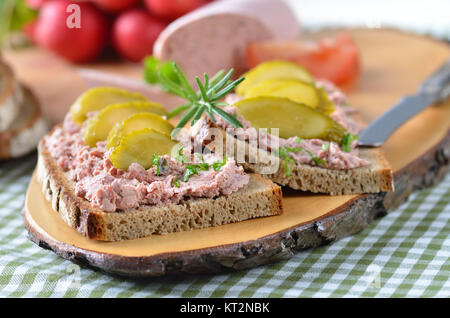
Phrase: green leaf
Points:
(229, 118)
(156, 163)
(186, 117)
(155, 70)
(172, 79)
(190, 171)
(14, 15)
(346, 142)
(203, 166)
(202, 88)
(221, 82)
(219, 164)
(198, 114)
(151, 70)
(228, 88)
(178, 109)
(184, 82)
(217, 77)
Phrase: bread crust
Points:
(259, 198)
(30, 125)
(369, 179)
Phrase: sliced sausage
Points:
(215, 36)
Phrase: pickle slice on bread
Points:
(291, 118)
(98, 127)
(271, 70)
(136, 122)
(98, 98)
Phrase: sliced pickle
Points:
(140, 146)
(292, 119)
(326, 105)
(273, 69)
(264, 87)
(100, 97)
(298, 91)
(98, 127)
(137, 122)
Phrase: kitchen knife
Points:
(434, 89)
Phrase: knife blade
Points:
(434, 89)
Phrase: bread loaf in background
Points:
(22, 123)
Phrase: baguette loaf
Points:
(376, 177)
(259, 198)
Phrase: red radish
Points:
(334, 59)
(77, 32)
(134, 33)
(115, 5)
(172, 9)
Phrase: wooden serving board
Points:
(394, 64)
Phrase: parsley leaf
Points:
(156, 163)
(283, 153)
(180, 156)
(219, 164)
(346, 142)
(190, 171)
(203, 166)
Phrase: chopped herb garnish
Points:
(204, 166)
(156, 163)
(219, 164)
(176, 183)
(283, 153)
(346, 142)
(180, 156)
(206, 99)
(190, 171)
(325, 146)
(298, 140)
(316, 159)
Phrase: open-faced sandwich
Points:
(112, 172)
(284, 124)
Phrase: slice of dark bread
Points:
(261, 197)
(376, 177)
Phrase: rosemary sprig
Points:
(205, 99)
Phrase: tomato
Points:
(77, 44)
(172, 9)
(115, 5)
(134, 33)
(334, 59)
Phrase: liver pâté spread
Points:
(110, 189)
(329, 154)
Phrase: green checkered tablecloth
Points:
(404, 254)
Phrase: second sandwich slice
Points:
(296, 131)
